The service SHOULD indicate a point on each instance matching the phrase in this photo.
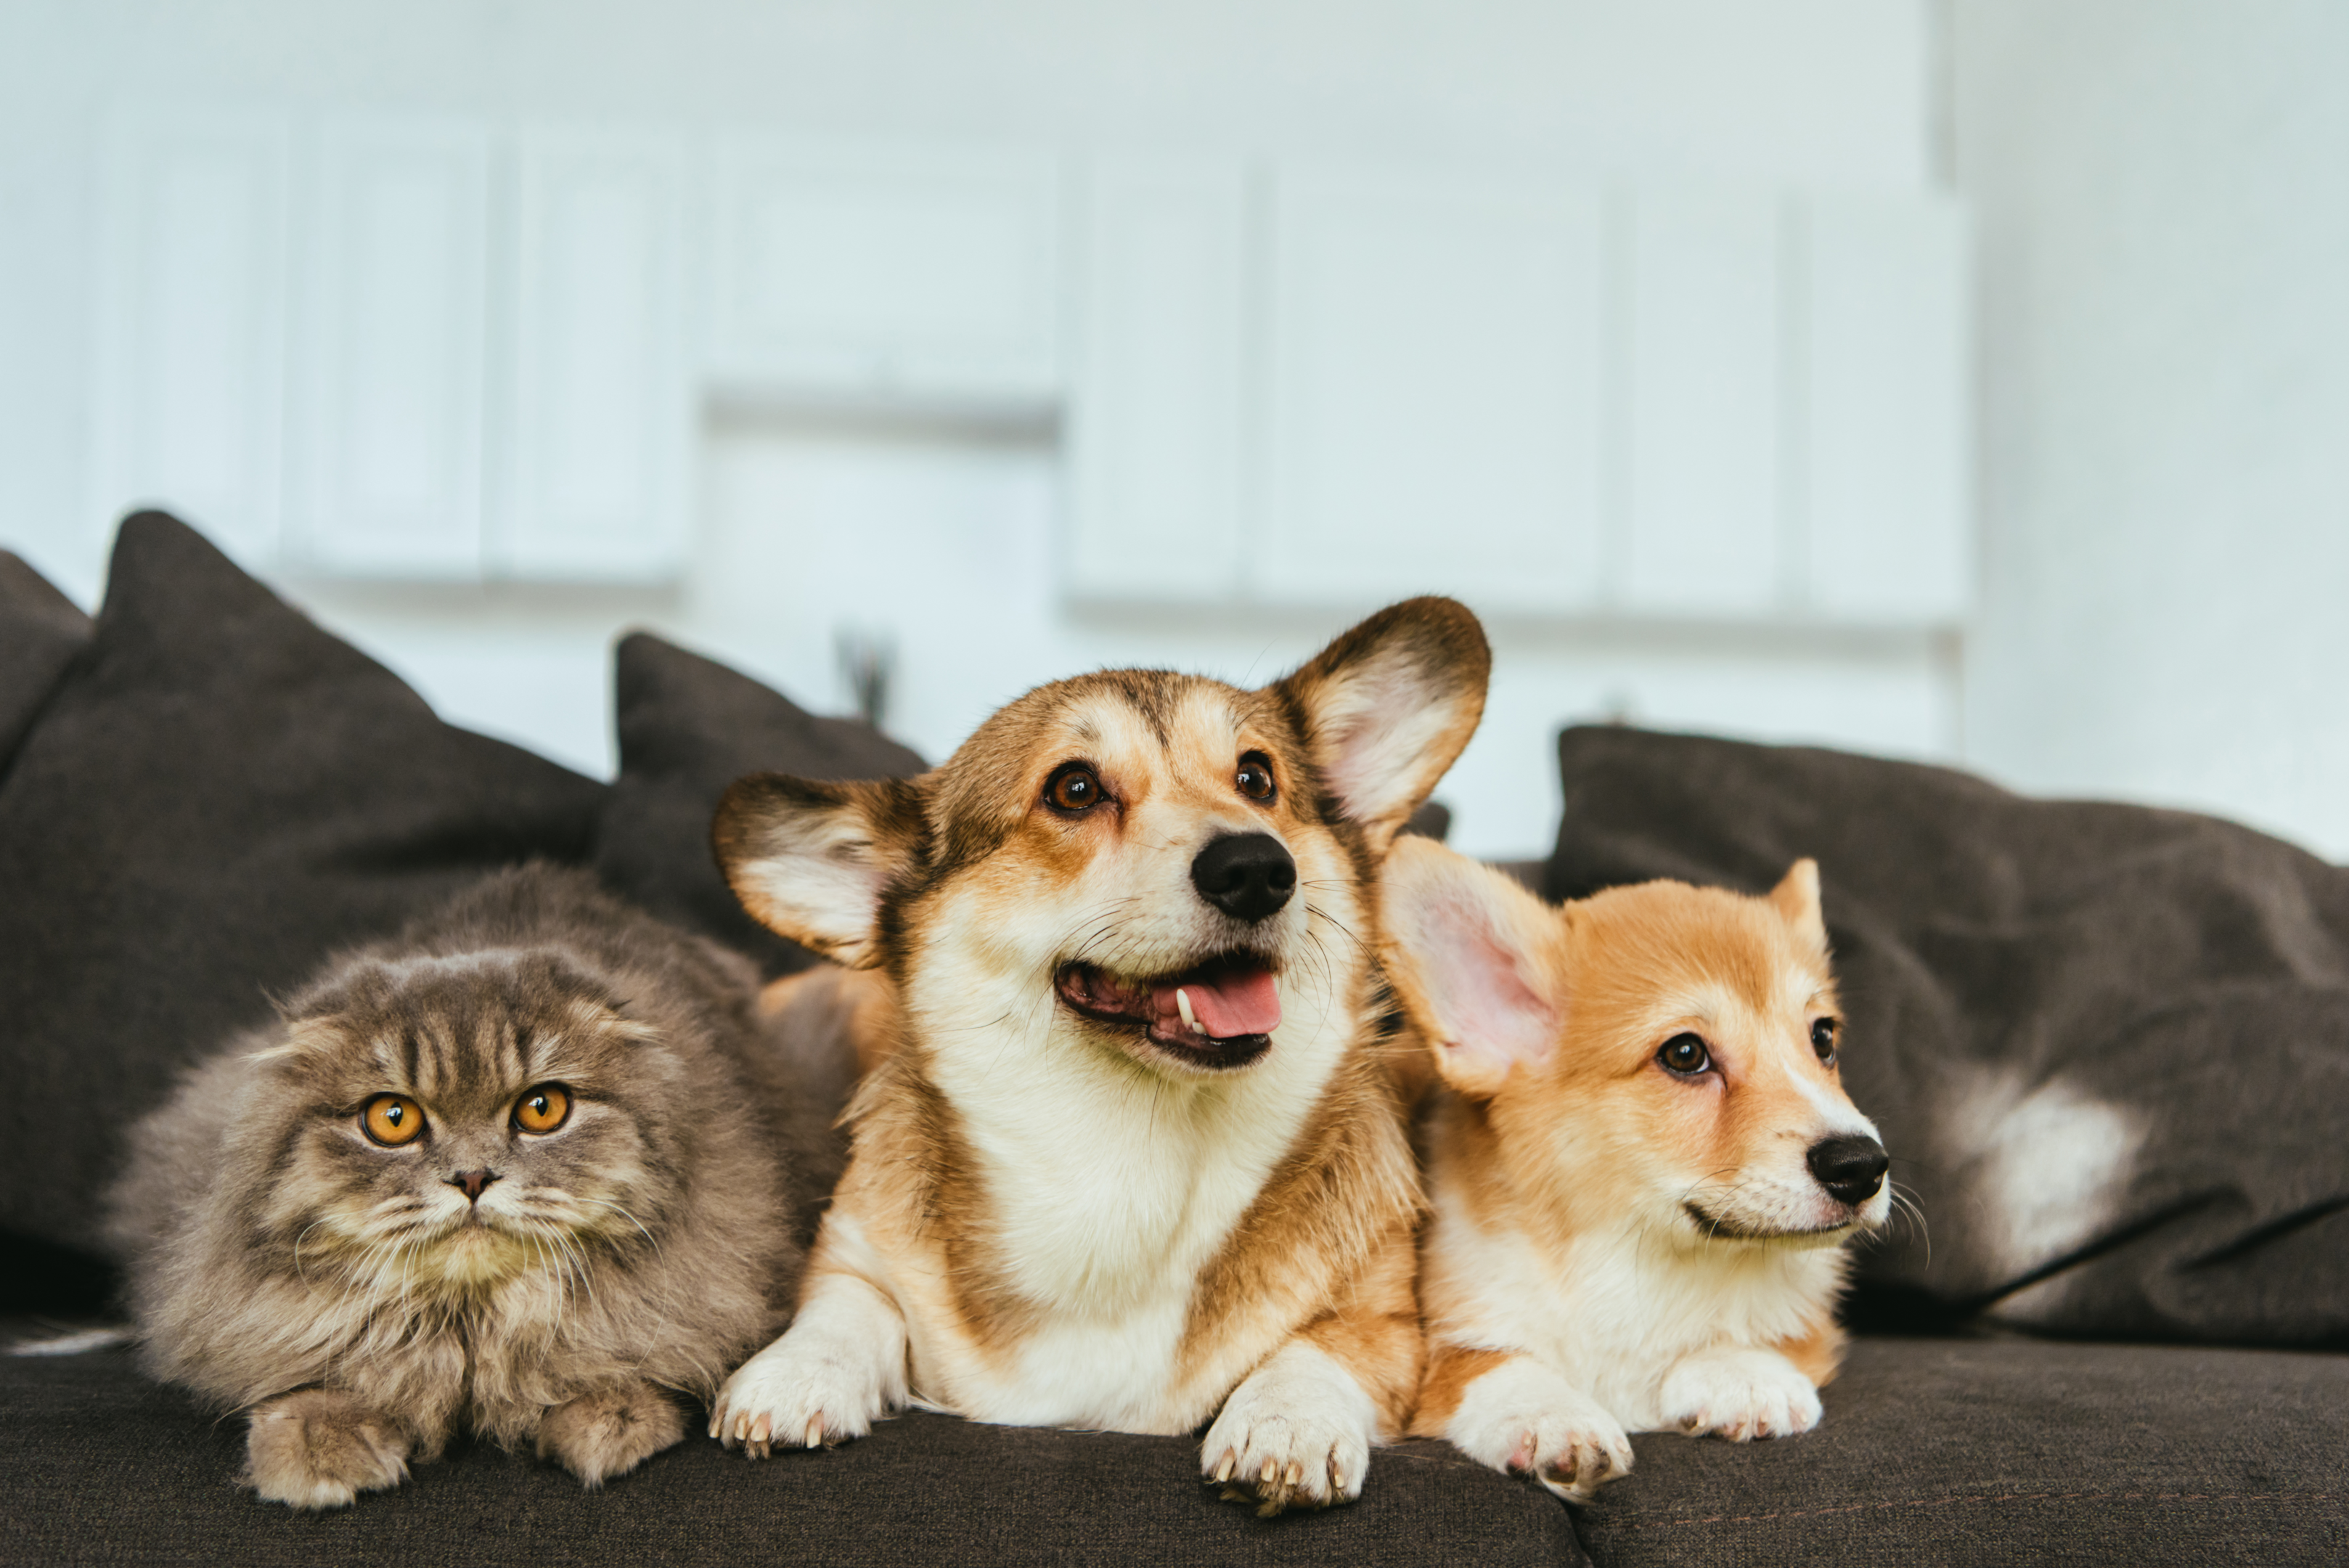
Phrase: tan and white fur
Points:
(1642, 1165)
(1092, 1184)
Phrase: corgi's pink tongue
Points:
(1225, 1003)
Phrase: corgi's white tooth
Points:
(1183, 1005)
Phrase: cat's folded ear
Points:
(811, 861)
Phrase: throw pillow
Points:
(688, 727)
(217, 795)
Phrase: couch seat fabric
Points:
(2008, 1450)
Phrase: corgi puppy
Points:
(1128, 1162)
(1642, 1165)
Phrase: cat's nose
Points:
(473, 1181)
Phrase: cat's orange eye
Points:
(392, 1120)
(543, 1109)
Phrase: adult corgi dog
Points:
(1643, 1167)
(1130, 1163)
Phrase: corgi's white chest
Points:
(1615, 1312)
(1107, 1195)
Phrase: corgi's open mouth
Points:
(1218, 1014)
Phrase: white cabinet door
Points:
(1436, 389)
(1157, 419)
(886, 270)
(393, 394)
(1704, 480)
(1887, 426)
(602, 409)
(188, 383)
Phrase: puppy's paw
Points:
(1296, 1434)
(319, 1448)
(610, 1432)
(1521, 1417)
(800, 1392)
(1740, 1394)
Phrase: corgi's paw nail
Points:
(1296, 1434)
(816, 1430)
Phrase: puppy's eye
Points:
(1254, 777)
(392, 1120)
(1823, 1039)
(543, 1108)
(1684, 1055)
(1075, 787)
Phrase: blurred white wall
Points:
(2162, 191)
(944, 536)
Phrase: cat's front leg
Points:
(611, 1431)
(1741, 1393)
(837, 1370)
(320, 1448)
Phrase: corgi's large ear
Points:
(810, 861)
(1796, 896)
(1387, 708)
(1473, 956)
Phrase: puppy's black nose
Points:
(473, 1181)
(1248, 876)
(1850, 1166)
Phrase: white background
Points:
(2163, 350)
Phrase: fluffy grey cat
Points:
(520, 1170)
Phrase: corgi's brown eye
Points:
(1254, 777)
(543, 1109)
(392, 1120)
(1823, 1039)
(1074, 788)
(1685, 1054)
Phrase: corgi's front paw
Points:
(798, 1393)
(1524, 1418)
(1296, 1434)
(1740, 1394)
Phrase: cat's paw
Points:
(610, 1432)
(1524, 1418)
(802, 1391)
(320, 1449)
(1740, 1394)
(1296, 1434)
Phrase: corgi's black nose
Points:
(1851, 1168)
(1248, 876)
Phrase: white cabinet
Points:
(881, 272)
(190, 367)
(602, 414)
(1158, 414)
(393, 391)
(1704, 484)
(1436, 383)
(1888, 431)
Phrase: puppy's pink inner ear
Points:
(1492, 1017)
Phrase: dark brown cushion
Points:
(216, 796)
(688, 727)
(40, 631)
